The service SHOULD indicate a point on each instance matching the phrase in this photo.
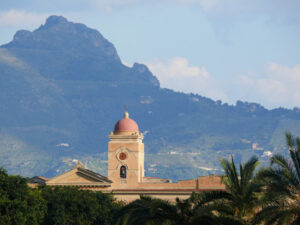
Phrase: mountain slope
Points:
(63, 87)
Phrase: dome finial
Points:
(126, 114)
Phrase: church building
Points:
(126, 175)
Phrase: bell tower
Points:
(126, 154)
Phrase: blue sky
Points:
(223, 49)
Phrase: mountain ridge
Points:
(63, 87)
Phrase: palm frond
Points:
(296, 221)
(231, 178)
(146, 210)
(221, 207)
(225, 220)
(280, 161)
(289, 139)
(295, 155)
(287, 168)
(210, 196)
(298, 144)
(249, 168)
(204, 219)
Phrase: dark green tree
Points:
(107, 209)
(19, 204)
(69, 205)
(72, 206)
(282, 180)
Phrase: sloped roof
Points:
(79, 175)
(37, 180)
(93, 175)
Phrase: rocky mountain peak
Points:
(58, 34)
(54, 20)
(78, 53)
(143, 69)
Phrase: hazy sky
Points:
(223, 49)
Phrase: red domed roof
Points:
(126, 124)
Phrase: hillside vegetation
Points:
(63, 87)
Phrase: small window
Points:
(123, 172)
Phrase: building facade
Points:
(126, 175)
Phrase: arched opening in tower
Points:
(123, 172)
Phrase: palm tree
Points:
(242, 189)
(141, 211)
(282, 180)
(150, 211)
(212, 213)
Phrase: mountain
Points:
(63, 87)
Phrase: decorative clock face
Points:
(122, 156)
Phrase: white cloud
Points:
(17, 18)
(177, 68)
(278, 86)
(177, 74)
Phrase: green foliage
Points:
(282, 181)
(19, 204)
(152, 211)
(13, 212)
(242, 186)
(22, 205)
(69, 205)
(242, 189)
